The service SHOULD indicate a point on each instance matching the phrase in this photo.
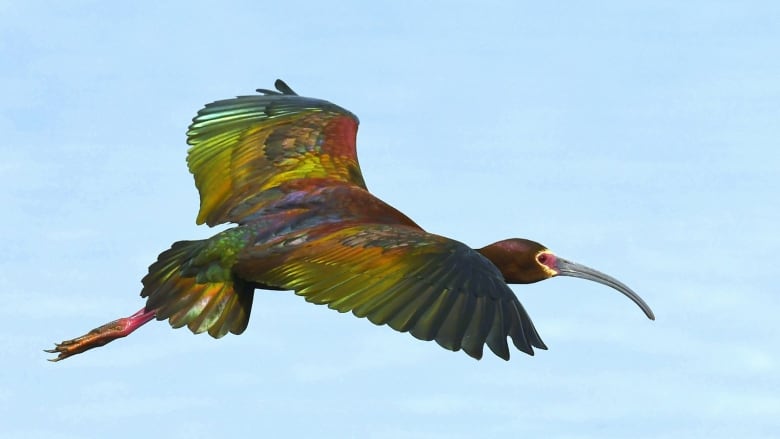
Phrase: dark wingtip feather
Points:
(496, 339)
(514, 318)
(284, 88)
(281, 86)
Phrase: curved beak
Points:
(573, 269)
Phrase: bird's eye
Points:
(542, 258)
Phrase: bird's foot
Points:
(101, 335)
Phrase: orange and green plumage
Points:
(284, 169)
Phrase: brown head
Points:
(523, 261)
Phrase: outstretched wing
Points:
(433, 287)
(249, 144)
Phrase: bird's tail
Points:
(192, 284)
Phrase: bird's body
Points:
(284, 169)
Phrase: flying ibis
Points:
(284, 169)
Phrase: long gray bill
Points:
(573, 269)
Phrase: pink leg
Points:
(102, 335)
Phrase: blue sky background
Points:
(640, 138)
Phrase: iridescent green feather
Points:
(192, 284)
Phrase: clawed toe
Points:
(94, 338)
(101, 335)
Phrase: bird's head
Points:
(523, 261)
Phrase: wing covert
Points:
(249, 144)
(433, 287)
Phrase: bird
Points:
(283, 169)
